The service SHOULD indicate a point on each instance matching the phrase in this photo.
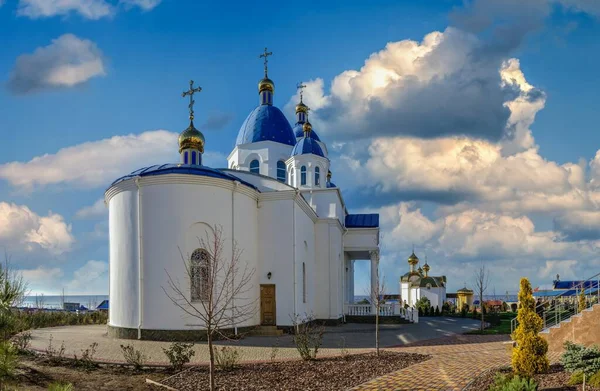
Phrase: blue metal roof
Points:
(307, 146)
(186, 169)
(575, 284)
(103, 305)
(299, 132)
(331, 184)
(362, 221)
(266, 123)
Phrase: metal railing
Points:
(561, 307)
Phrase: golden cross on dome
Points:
(266, 55)
(300, 87)
(191, 93)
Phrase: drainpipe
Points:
(140, 261)
(294, 253)
(235, 185)
(345, 279)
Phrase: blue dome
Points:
(307, 146)
(331, 184)
(266, 123)
(299, 132)
(188, 169)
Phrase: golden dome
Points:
(328, 174)
(413, 259)
(266, 84)
(191, 138)
(426, 267)
(307, 127)
(301, 108)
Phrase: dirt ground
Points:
(36, 374)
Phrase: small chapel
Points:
(275, 200)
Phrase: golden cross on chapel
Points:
(191, 93)
(265, 55)
(301, 87)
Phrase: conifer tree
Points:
(582, 305)
(529, 354)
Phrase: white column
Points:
(374, 276)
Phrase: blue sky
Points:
(523, 201)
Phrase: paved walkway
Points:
(456, 361)
(357, 338)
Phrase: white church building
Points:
(417, 283)
(275, 200)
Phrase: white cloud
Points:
(145, 5)
(91, 278)
(43, 279)
(68, 61)
(95, 210)
(21, 230)
(90, 9)
(99, 163)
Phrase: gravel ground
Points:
(333, 373)
(555, 380)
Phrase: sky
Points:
(469, 126)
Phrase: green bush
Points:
(594, 380)
(60, 387)
(513, 383)
(179, 354)
(308, 337)
(226, 358)
(437, 311)
(133, 356)
(420, 312)
(576, 378)
(8, 360)
(578, 358)
(463, 311)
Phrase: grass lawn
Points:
(502, 328)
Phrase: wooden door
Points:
(267, 305)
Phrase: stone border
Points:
(172, 335)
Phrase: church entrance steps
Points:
(582, 328)
(266, 331)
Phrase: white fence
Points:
(391, 309)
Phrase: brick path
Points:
(456, 361)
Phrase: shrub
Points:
(513, 307)
(8, 360)
(22, 341)
(179, 354)
(133, 356)
(594, 380)
(578, 358)
(437, 311)
(423, 304)
(87, 357)
(343, 348)
(53, 355)
(420, 312)
(308, 337)
(445, 308)
(463, 311)
(513, 383)
(474, 313)
(226, 358)
(529, 354)
(60, 387)
(581, 302)
(576, 378)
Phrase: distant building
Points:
(464, 298)
(71, 306)
(417, 283)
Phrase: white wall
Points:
(268, 154)
(173, 216)
(123, 259)
(326, 203)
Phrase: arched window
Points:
(317, 176)
(281, 171)
(193, 157)
(303, 175)
(200, 275)
(303, 282)
(186, 159)
(255, 166)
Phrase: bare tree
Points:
(376, 295)
(217, 289)
(482, 280)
